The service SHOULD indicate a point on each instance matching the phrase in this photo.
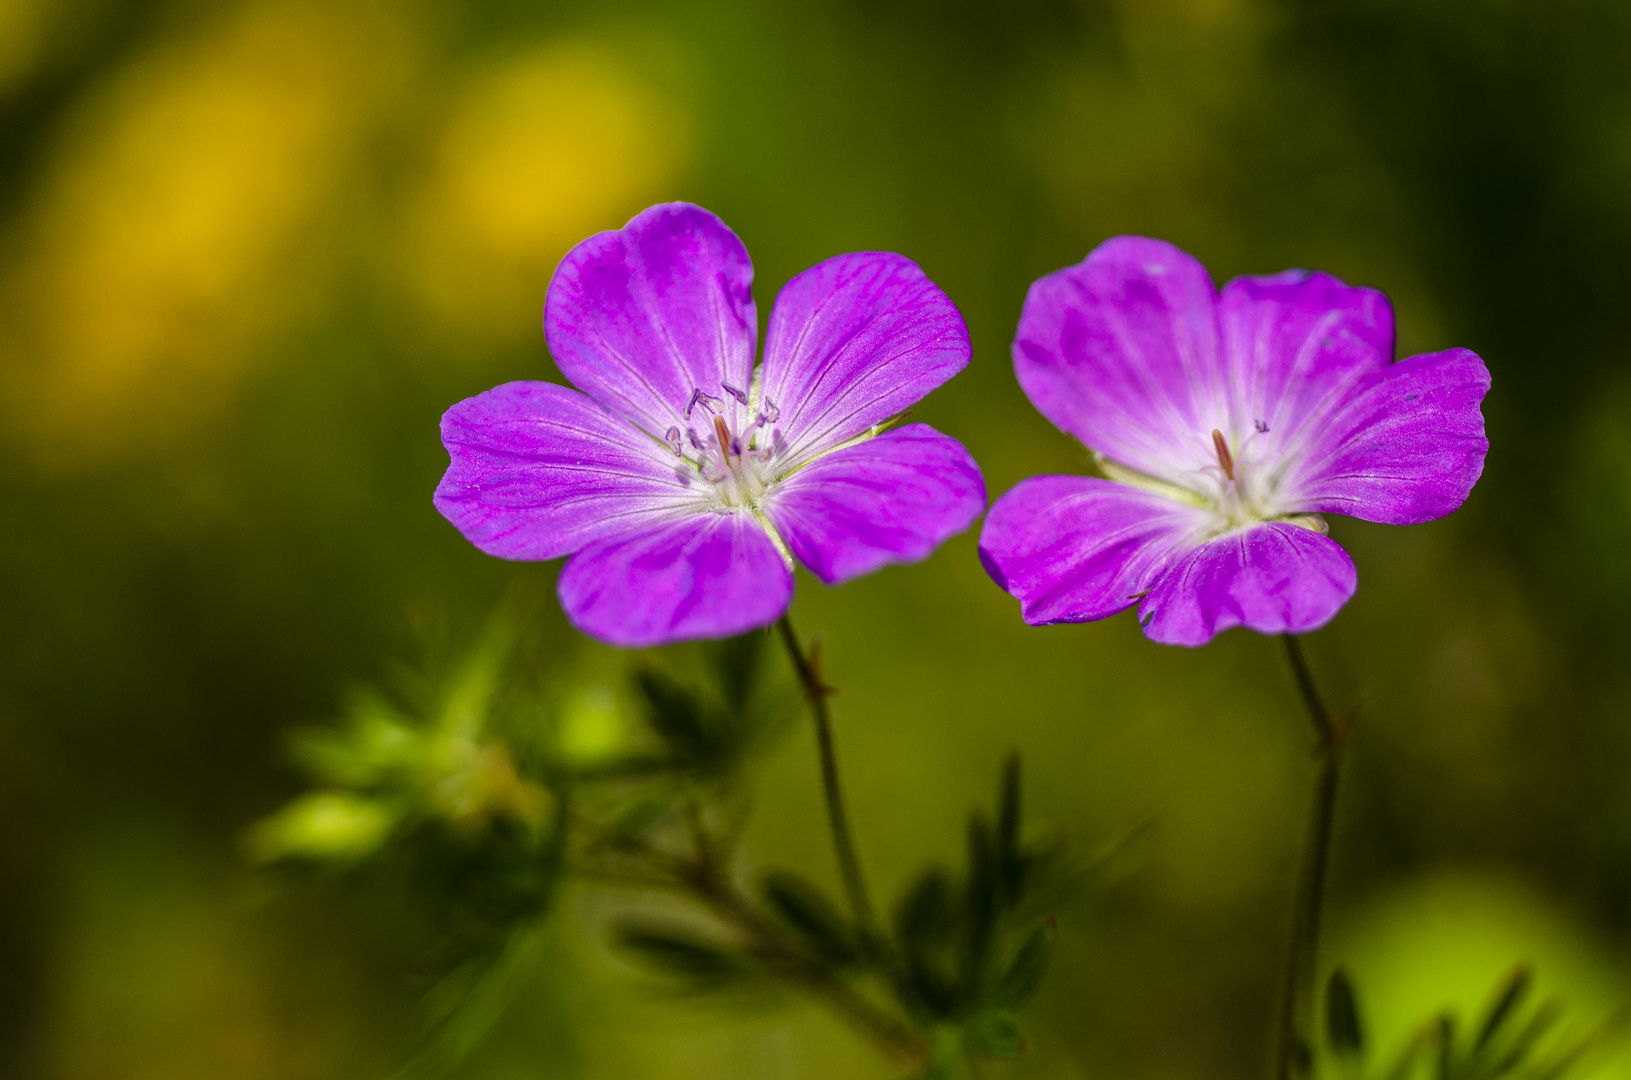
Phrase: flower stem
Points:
(1297, 1004)
(849, 865)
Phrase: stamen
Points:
(771, 413)
(1262, 428)
(699, 398)
(723, 434)
(696, 443)
(1224, 457)
(734, 392)
(672, 438)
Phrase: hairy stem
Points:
(1297, 1004)
(849, 865)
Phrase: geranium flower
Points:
(682, 481)
(1226, 423)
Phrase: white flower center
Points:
(1239, 489)
(741, 465)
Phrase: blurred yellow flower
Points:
(538, 151)
(166, 236)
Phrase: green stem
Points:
(897, 1039)
(849, 865)
(1297, 1001)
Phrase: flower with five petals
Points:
(683, 480)
(1225, 424)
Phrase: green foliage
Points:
(699, 964)
(1344, 1033)
(479, 787)
(970, 950)
(818, 922)
(1511, 1040)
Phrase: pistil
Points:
(740, 470)
(1225, 458)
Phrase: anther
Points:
(672, 438)
(723, 434)
(734, 392)
(1224, 457)
(699, 398)
(1262, 428)
(771, 413)
(695, 441)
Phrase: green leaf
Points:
(679, 718)
(1405, 1064)
(1013, 862)
(1446, 1047)
(1026, 968)
(636, 819)
(333, 825)
(816, 919)
(930, 987)
(981, 897)
(993, 1034)
(1343, 1031)
(1542, 1022)
(928, 913)
(737, 661)
(1517, 986)
(677, 953)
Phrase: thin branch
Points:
(849, 864)
(774, 948)
(1296, 1003)
(702, 878)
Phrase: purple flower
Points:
(1226, 423)
(683, 481)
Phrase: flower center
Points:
(1242, 497)
(1241, 490)
(739, 464)
(1236, 498)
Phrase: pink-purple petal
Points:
(1406, 446)
(1077, 548)
(1296, 344)
(706, 576)
(891, 499)
(1274, 578)
(642, 317)
(539, 470)
(854, 341)
(1122, 351)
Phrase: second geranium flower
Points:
(1225, 424)
(683, 481)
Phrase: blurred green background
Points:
(250, 251)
